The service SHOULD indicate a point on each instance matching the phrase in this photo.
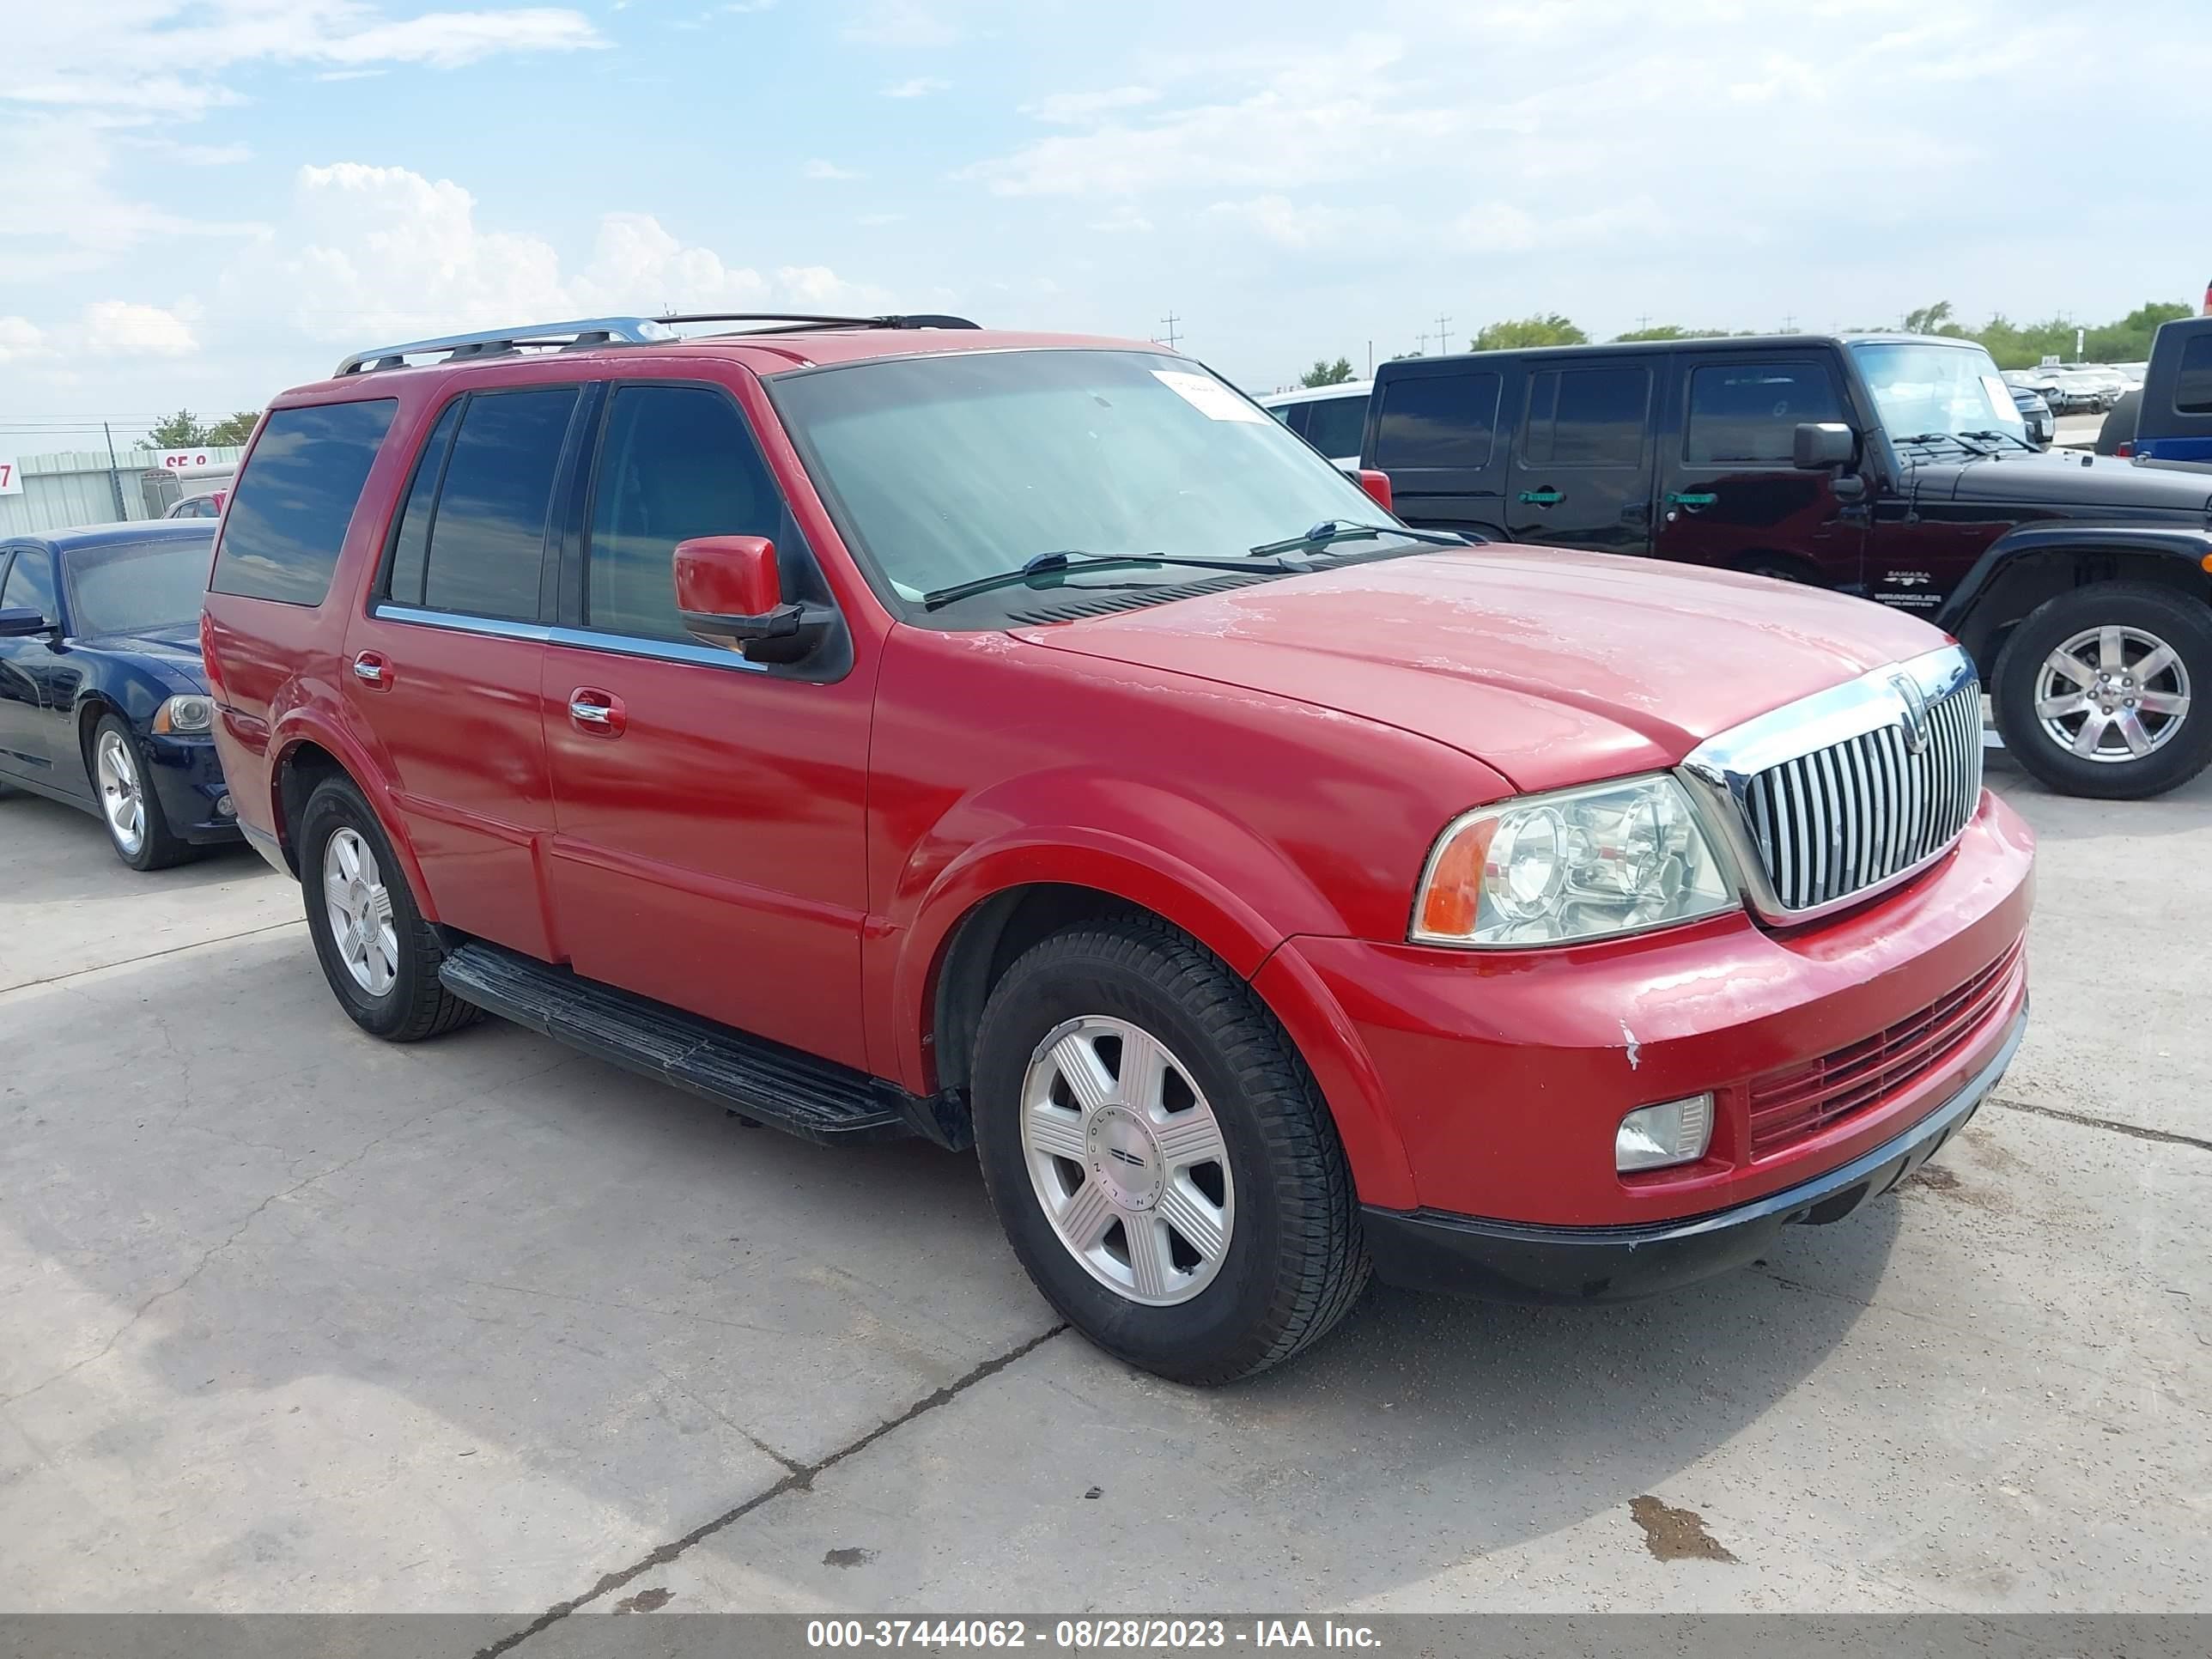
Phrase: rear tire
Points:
(2093, 691)
(1212, 1252)
(381, 957)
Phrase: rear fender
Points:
(304, 724)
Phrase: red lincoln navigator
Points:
(888, 727)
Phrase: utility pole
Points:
(1169, 323)
(1643, 322)
(114, 470)
(1790, 322)
(1371, 360)
(1443, 334)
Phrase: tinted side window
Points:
(2192, 384)
(30, 584)
(1336, 425)
(1587, 417)
(678, 461)
(1436, 420)
(293, 501)
(487, 541)
(1749, 412)
(410, 543)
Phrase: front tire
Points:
(381, 957)
(1160, 1157)
(137, 828)
(2094, 691)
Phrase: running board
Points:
(817, 1100)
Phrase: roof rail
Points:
(586, 332)
(916, 319)
(492, 342)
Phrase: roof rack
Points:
(585, 333)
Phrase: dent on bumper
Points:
(1515, 1261)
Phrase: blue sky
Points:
(215, 200)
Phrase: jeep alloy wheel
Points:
(2112, 694)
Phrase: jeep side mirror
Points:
(21, 624)
(1817, 445)
(730, 593)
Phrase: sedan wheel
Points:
(121, 795)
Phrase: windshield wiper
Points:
(1329, 532)
(2014, 437)
(1063, 560)
(1960, 439)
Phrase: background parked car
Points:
(103, 704)
(206, 505)
(2036, 415)
(1329, 417)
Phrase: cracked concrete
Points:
(297, 1320)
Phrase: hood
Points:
(174, 650)
(1554, 668)
(2073, 481)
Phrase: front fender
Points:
(2177, 542)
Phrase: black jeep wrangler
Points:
(1890, 466)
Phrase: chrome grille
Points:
(1836, 797)
(1852, 816)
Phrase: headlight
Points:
(1613, 857)
(184, 716)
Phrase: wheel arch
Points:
(2029, 566)
(300, 757)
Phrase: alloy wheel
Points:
(121, 795)
(360, 910)
(1127, 1160)
(2112, 694)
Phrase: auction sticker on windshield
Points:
(2000, 397)
(1209, 397)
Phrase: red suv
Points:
(888, 727)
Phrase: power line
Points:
(1169, 323)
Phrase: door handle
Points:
(599, 713)
(1693, 501)
(373, 671)
(1544, 497)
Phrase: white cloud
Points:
(21, 340)
(921, 86)
(386, 253)
(1121, 221)
(1297, 225)
(1062, 107)
(121, 328)
(901, 23)
(829, 172)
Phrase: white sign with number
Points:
(189, 460)
(11, 481)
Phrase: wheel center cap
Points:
(1124, 1160)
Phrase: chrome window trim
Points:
(1718, 772)
(459, 622)
(586, 639)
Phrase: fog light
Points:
(1657, 1137)
(223, 808)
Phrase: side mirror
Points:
(1820, 444)
(1377, 484)
(22, 625)
(730, 593)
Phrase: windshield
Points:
(1936, 388)
(137, 585)
(945, 469)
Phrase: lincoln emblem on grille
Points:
(1915, 722)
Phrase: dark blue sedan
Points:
(103, 704)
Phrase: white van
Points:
(1332, 418)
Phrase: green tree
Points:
(2128, 341)
(1669, 331)
(234, 430)
(1325, 373)
(182, 431)
(1523, 332)
(1932, 319)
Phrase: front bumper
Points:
(187, 777)
(1515, 1261)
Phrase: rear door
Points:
(1729, 495)
(711, 838)
(29, 667)
(1582, 457)
(1333, 426)
(444, 670)
(1433, 429)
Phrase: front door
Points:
(1729, 493)
(444, 670)
(709, 845)
(1582, 459)
(34, 703)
